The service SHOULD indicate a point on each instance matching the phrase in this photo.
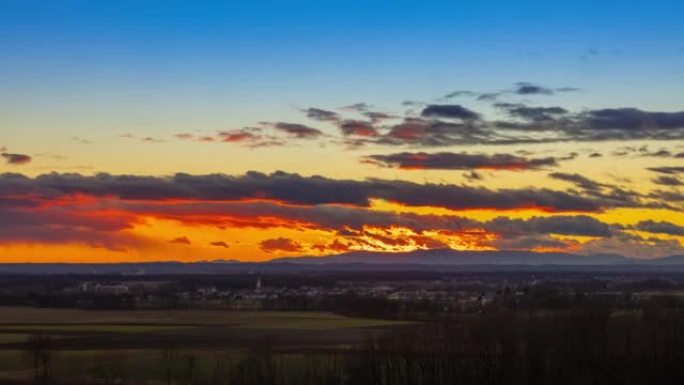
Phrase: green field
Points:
(36, 317)
(86, 343)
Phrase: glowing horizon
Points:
(254, 131)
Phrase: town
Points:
(398, 295)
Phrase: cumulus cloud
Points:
(358, 128)
(431, 125)
(459, 161)
(579, 180)
(668, 181)
(449, 111)
(28, 212)
(560, 224)
(668, 170)
(660, 227)
(16, 159)
(321, 115)
(296, 189)
(537, 114)
(298, 130)
(632, 119)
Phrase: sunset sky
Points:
(251, 130)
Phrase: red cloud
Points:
(280, 244)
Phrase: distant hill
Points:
(456, 257)
(445, 260)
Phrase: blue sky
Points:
(210, 54)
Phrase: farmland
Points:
(86, 343)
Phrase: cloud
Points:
(459, 93)
(357, 107)
(560, 224)
(296, 189)
(219, 244)
(455, 124)
(459, 161)
(535, 243)
(377, 117)
(16, 159)
(632, 119)
(251, 137)
(634, 246)
(321, 115)
(181, 240)
(46, 215)
(525, 88)
(236, 136)
(579, 180)
(280, 244)
(537, 114)
(449, 111)
(358, 128)
(661, 227)
(422, 132)
(668, 170)
(667, 181)
(298, 130)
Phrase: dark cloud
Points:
(358, 107)
(459, 93)
(454, 124)
(30, 214)
(358, 128)
(294, 189)
(489, 96)
(524, 88)
(611, 195)
(298, 130)
(16, 159)
(473, 176)
(560, 224)
(537, 114)
(668, 170)
(660, 227)
(460, 161)
(377, 117)
(321, 115)
(579, 180)
(237, 136)
(632, 119)
(449, 111)
(568, 89)
(668, 181)
(414, 131)
(280, 244)
(219, 244)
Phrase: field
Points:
(84, 342)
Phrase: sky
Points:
(178, 130)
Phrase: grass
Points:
(131, 321)
(104, 328)
(134, 340)
(12, 338)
